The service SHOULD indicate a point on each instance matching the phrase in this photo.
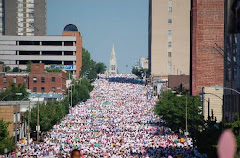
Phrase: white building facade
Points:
(113, 62)
(16, 51)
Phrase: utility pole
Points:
(16, 123)
(38, 120)
(208, 109)
(29, 115)
(71, 98)
(186, 115)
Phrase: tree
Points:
(86, 82)
(100, 68)
(86, 61)
(29, 66)
(10, 93)
(7, 69)
(90, 68)
(48, 69)
(51, 113)
(139, 72)
(5, 140)
(172, 109)
(16, 69)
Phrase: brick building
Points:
(207, 44)
(7, 78)
(37, 81)
(174, 81)
(53, 51)
(45, 82)
(11, 113)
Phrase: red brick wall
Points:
(37, 68)
(208, 29)
(20, 80)
(48, 84)
(78, 50)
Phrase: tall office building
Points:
(1, 17)
(23, 17)
(169, 37)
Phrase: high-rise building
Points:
(113, 62)
(169, 37)
(54, 51)
(1, 17)
(207, 55)
(207, 44)
(231, 61)
(23, 17)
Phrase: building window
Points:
(169, 44)
(4, 88)
(34, 89)
(14, 80)
(169, 54)
(25, 80)
(169, 32)
(53, 89)
(4, 80)
(113, 67)
(53, 79)
(42, 79)
(169, 20)
(169, 66)
(170, 9)
(34, 79)
(42, 89)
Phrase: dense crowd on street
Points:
(117, 121)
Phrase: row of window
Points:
(14, 80)
(43, 79)
(25, 80)
(43, 89)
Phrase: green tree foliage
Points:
(235, 127)
(49, 114)
(29, 66)
(139, 72)
(100, 68)
(81, 90)
(91, 68)
(86, 83)
(5, 68)
(16, 69)
(5, 140)
(48, 69)
(207, 138)
(52, 112)
(172, 109)
(10, 93)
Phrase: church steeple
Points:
(113, 55)
(113, 62)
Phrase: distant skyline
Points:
(103, 23)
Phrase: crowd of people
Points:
(117, 121)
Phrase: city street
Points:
(117, 121)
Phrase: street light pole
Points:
(29, 113)
(71, 98)
(38, 120)
(186, 115)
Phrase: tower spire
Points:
(113, 62)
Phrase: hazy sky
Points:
(102, 23)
